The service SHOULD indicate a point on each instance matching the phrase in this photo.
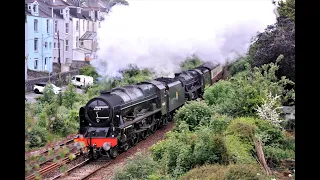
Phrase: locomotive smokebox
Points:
(99, 112)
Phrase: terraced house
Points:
(61, 31)
(63, 35)
(40, 39)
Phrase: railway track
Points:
(83, 170)
(61, 145)
(49, 164)
(53, 166)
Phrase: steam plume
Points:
(160, 34)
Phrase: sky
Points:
(160, 34)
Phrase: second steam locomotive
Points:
(121, 117)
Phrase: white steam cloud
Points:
(160, 34)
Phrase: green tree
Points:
(277, 39)
(193, 113)
(286, 9)
(89, 71)
(190, 62)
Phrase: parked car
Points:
(39, 87)
(82, 80)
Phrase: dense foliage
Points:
(241, 94)
(193, 113)
(89, 71)
(287, 9)
(221, 131)
(190, 62)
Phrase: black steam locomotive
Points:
(121, 117)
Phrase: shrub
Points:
(48, 94)
(230, 172)
(239, 140)
(270, 110)
(218, 93)
(209, 148)
(239, 65)
(140, 166)
(70, 96)
(219, 123)
(195, 148)
(244, 171)
(132, 75)
(37, 136)
(268, 133)
(89, 71)
(207, 172)
(275, 155)
(190, 62)
(240, 95)
(193, 113)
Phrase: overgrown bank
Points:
(217, 136)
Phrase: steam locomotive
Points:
(120, 118)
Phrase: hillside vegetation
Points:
(219, 137)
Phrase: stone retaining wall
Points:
(53, 78)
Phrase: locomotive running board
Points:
(139, 118)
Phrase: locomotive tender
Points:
(121, 117)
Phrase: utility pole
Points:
(59, 51)
(42, 44)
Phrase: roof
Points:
(74, 13)
(85, 14)
(56, 3)
(88, 35)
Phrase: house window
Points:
(34, 8)
(35, 63)
(77, 41)
(47, 25)
(67, 45)
(46, 44)
(35, 44)
(49, 45)
(45, 63)
(36, 25)
(83, 24)
(54, 45)
(77, 25)
(67, 60)
(67, 28)
(88, 26)
(93, 26)
(55, 26)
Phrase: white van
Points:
(82, 80)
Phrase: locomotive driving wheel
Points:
(154, 128)
(135, 139)
(125, 147)
(144, 134)
(113, 152)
